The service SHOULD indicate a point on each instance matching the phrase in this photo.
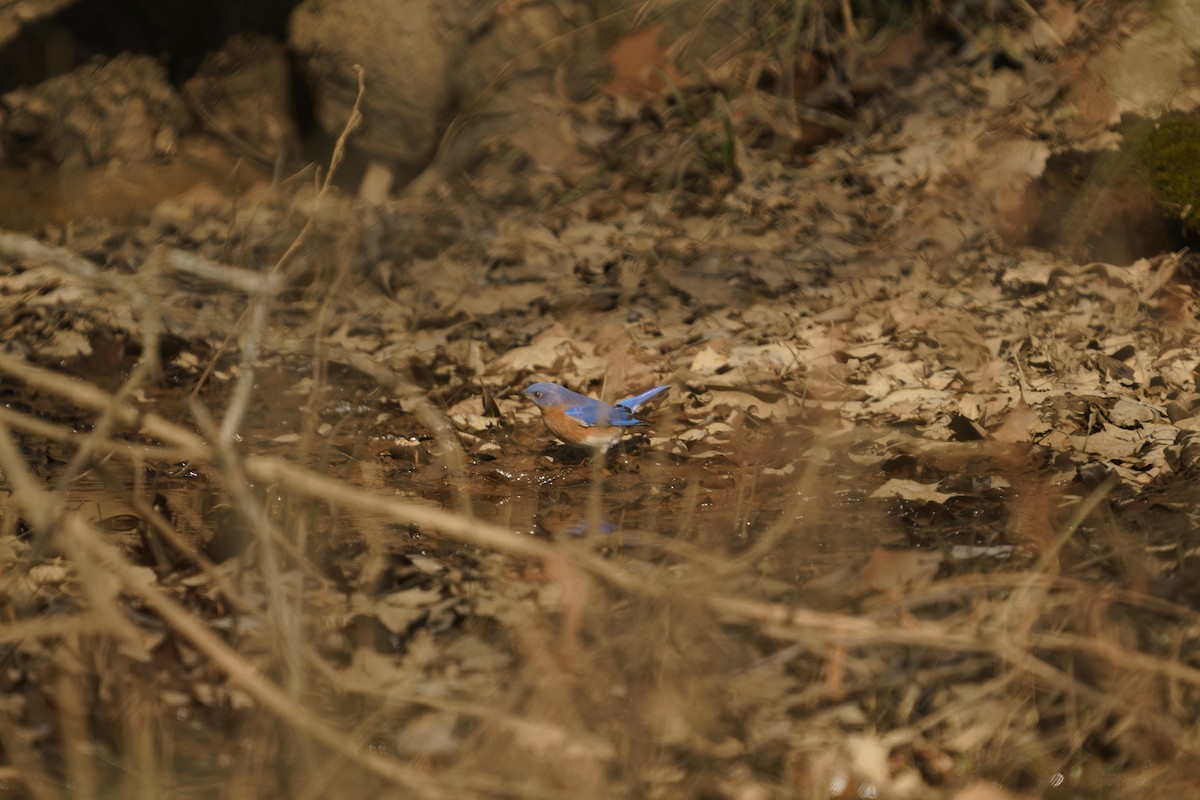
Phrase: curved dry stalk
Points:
(44, 514)
(771, 537)
(88, 395)
(243, 390)
(18, 246)
(1024, 606)
(1119, 657)
(558, 738)
(970, 585)
(63, 435)
(165, 529)
(282, 610)
(464, 529)
(335, 161)
(776, 620)
(55, 627)
(453, 457)
(270, 282)
(89, 547)
(73, 722)
(237, 278)
(150, 330)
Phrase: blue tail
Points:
(632, 403)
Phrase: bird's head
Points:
(544, 394)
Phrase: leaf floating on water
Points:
(911, 490)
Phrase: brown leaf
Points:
(639, 64)
(889, 569)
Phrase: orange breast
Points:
(572, 431)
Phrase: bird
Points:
(581, 420)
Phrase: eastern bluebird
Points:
(581, 420)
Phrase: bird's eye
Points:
(537, 394)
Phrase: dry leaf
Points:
(639, 65)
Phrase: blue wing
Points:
(597, 413)
(632, 403)
(592, 412)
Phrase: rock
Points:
(491, 91)
(124, 110)
(15, 16)
(243, 93)
(407, 49)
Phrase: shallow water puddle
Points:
(858, 523)
(816, 503)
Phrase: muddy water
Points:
(791, 510)
(651, 496)
(798, 490)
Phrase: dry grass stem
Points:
(94, 549)
(919, 509)
(241, 280)
(89, 396)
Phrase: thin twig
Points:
(282, 610)
(93, 549)
(777, 620)
(339, 153)
(236, 278)
(26, 248)
(88, 395)
(451, 450)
